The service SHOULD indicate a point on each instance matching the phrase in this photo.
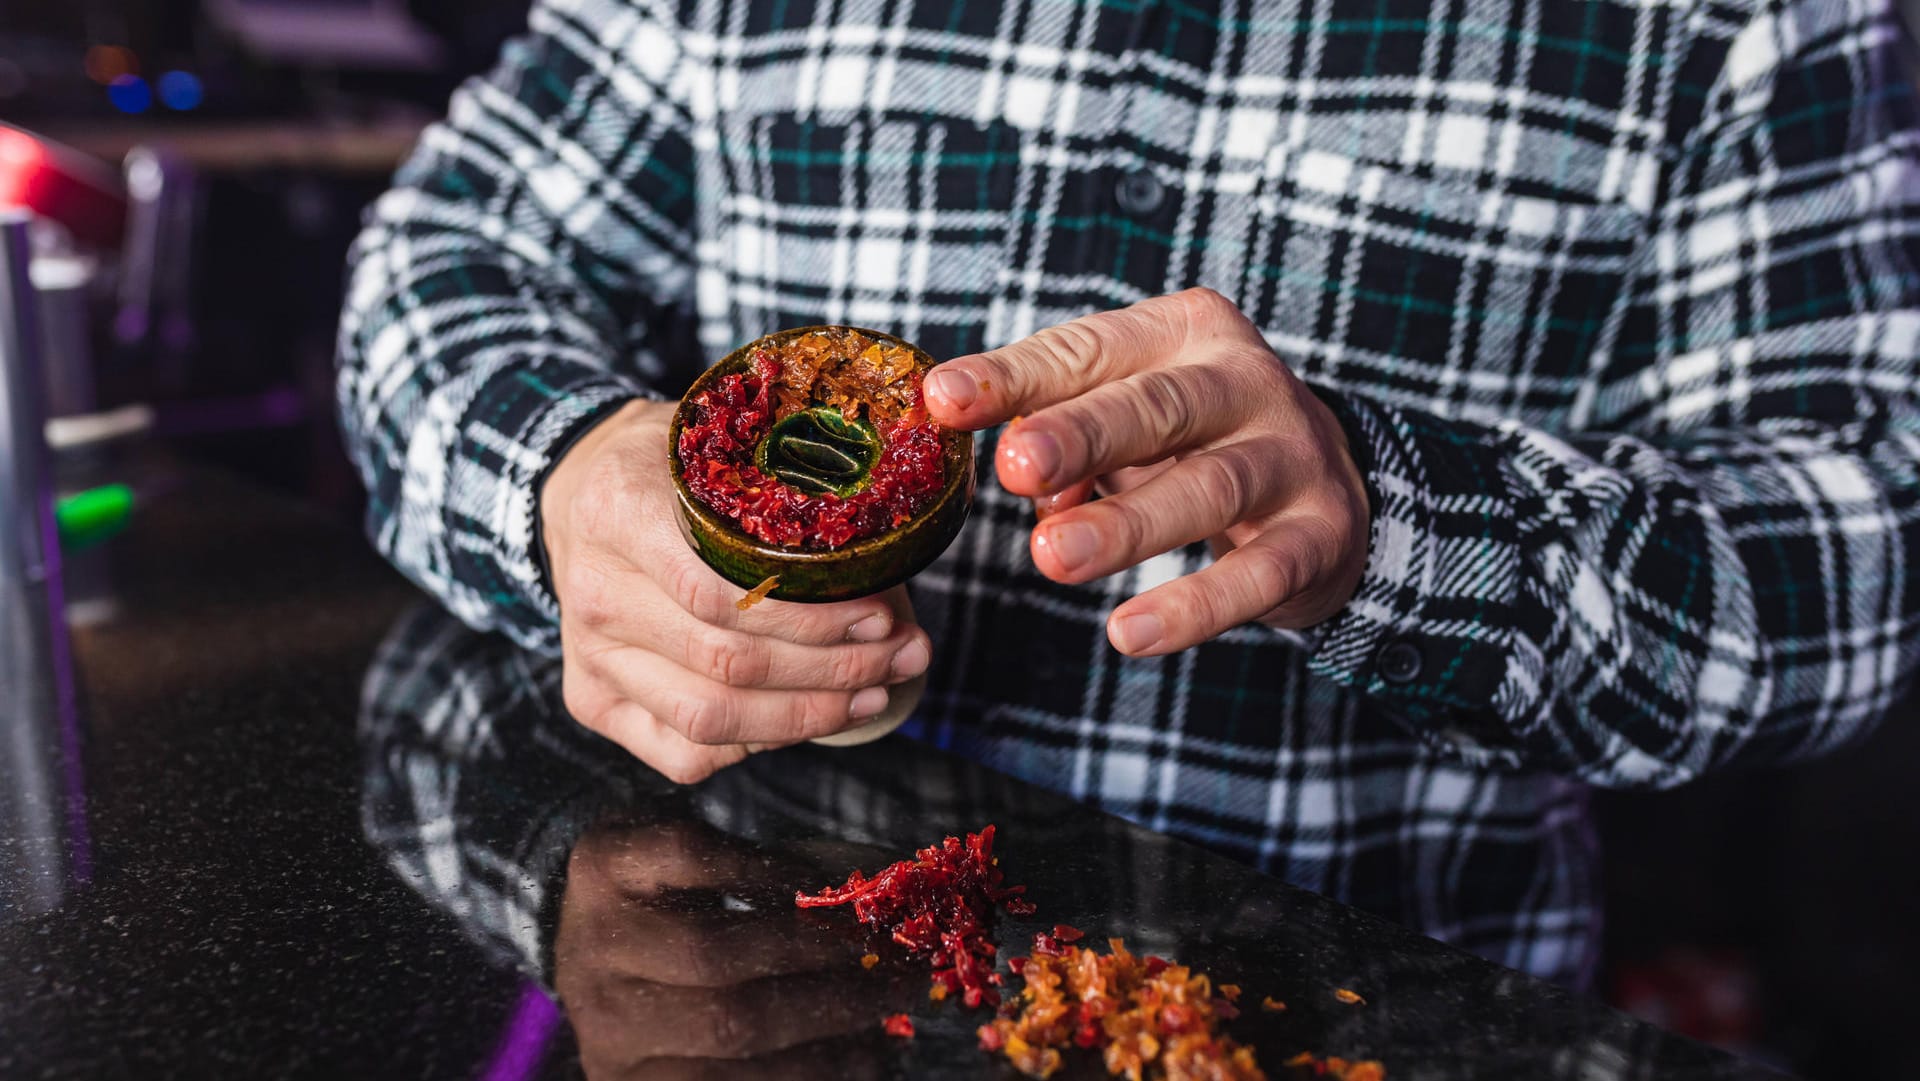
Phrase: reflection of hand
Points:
(680, 954)
(1179, 412)
(658, 659)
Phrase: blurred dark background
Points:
(208, 161)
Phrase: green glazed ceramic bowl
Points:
(860, 568)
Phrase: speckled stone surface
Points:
(288, 860)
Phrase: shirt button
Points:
(1400, 662)
(1140, 193)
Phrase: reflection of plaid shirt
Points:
(1616, 299)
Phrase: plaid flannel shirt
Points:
(1616, 299)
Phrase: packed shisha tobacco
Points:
(937, 905)
(1148, 1017)
(853, 451)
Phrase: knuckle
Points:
(819, 714)
(1262, 368)
(1298, 446)
(1217, 604)
(1166, 403)
(1203, 306)
(1121, 526)
(1073, 347)
(1339, 521)
(727, 657)
(696, 589)
(826, 624)
(1326, 538)
(1274, 571)
(701, 718)
(584, 592)
(1231, 477)
(1088, 444)
(849, 668)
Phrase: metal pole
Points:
(41, 811)
(27, 540)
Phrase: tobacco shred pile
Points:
(878, 382)
(1147, 1016)
(937, 904)
(1338, 1069)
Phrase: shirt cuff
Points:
(515, 426)
(1429, 629)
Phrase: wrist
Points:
(570, 472)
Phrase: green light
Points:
(87, 518)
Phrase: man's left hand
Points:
(1180, 416)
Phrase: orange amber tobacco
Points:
(758, 593)
(1338, 1069)
(1148, 1017)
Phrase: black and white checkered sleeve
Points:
(1717, 566)
(509, 291)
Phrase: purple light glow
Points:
(523, 1043)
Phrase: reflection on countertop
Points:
(235, 921)
(662, 918)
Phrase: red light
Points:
(21, 161)
(62, 185)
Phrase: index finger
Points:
(1056, 364)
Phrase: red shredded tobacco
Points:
(899, 1025)
(1147, 1016)
(840, 368)
(937, 905)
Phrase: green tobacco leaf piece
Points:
(819, 450)
(823, 458)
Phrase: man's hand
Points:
(656, 656)
(680, 954)
(1178, 413)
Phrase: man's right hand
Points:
(656, 656)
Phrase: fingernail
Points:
(868, 703)
(1131, 634)
(956, 386)
(911, 660)
(874, 628)
(1073, 544)
(1041, 451)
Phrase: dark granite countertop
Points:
(322, 830)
